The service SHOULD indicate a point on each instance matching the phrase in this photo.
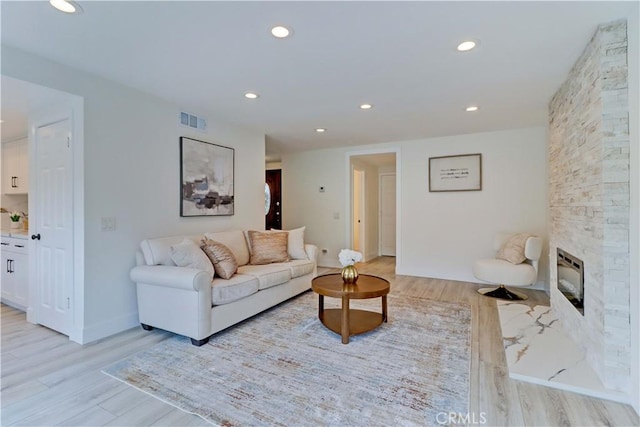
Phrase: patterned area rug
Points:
(283, 367)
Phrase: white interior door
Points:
(53, 228)
(358, 212)
(388, 214)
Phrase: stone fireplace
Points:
(589, 201)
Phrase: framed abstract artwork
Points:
(455, 173)
(206, 178)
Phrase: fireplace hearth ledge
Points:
(538, 351)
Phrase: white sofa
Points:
(187, 302)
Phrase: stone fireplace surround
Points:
(589, 201)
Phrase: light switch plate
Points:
(108, 223)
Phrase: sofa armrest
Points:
(176, 299)
(190, 279)
(312, 252)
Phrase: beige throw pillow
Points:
(268, 247)
(188, 254)
(513, 249)
(224, 262)
(295, 243)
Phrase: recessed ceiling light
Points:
(251, 95)
(366, 106)
(280, 32)
(320, 130)
(466, 46)
(66, 6)
(471, 108)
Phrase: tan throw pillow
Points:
(295, 243)
(235, 240)
(223, 260)
(513, 249)
(268, 247)
(188, 254)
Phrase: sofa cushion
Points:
(188, 254)
(157, 251)
(295, 243)
(268, 247)
(513, 249)
(224, 291)
(223, 260)
(235, 241)
(299, 267)
(268, 275)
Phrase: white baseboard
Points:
(539, 286)
(401, 270)
(13, 305)
(104, 329)
(329, 263)
(371, 255)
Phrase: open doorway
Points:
(387, 203)
(359, 216)
(273, 199)
(372, 202)
(52, 122)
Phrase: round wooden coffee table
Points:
(346, 321)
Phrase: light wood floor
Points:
(48, 380)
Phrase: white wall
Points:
(131, 170)
(444, 233)
(303, 203)
(441, 234)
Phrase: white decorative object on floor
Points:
(515, 264)
(538, 351)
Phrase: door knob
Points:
(35, 236)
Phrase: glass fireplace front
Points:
(571, 279)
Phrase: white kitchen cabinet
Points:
(15, 166)
(15, 272)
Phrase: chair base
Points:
(503, 293)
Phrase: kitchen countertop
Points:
(16, 234)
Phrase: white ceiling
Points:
(399, 56)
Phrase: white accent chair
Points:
(504, 273)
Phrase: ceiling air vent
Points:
(193, 121)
